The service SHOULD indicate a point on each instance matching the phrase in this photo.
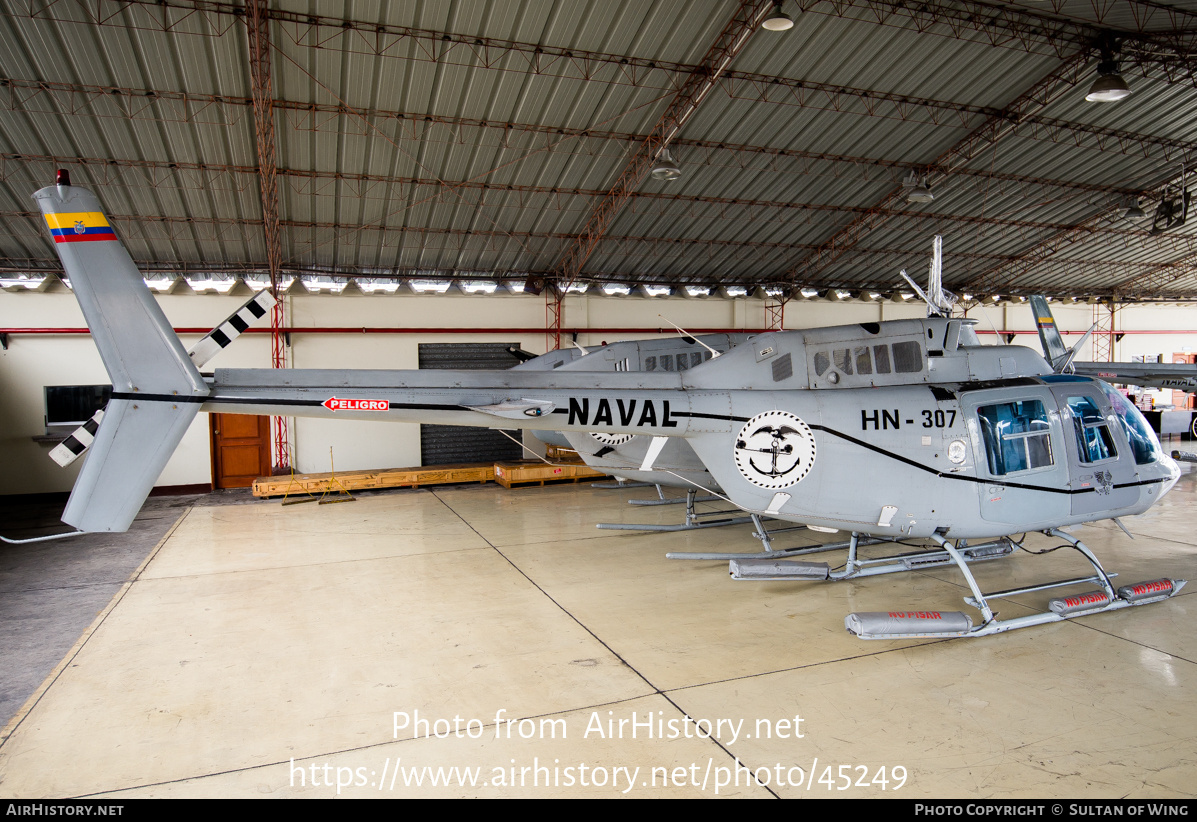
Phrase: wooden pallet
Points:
(362, 480)
(534, 472)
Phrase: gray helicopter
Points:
(901, 430)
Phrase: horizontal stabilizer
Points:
(132, 447)
(79, 441)
(219, 337)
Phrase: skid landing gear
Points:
(694, 519)
(780, 564)
(947, 624)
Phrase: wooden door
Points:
(240, 449)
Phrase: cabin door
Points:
(1021, 452)
(1099, 461)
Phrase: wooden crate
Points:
(534, 472)
(557, 453)
(363, 480)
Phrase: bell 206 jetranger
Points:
(901, 430)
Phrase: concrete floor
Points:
(264, 650)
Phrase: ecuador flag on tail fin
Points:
(79, 227)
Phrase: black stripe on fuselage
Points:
(697, 415)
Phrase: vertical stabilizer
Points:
(1049, 336)
(138, 345)
(156, 390)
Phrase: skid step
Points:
(899, 624)
(773, 569)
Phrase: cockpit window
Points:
(1017, 436)
(1143, 443)
(1094, 442)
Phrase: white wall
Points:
(34, 361)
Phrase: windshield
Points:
(1142, 439)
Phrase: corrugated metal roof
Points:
(476, 138)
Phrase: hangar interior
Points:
(540, 173)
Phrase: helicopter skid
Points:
(945, 625)
(687, 526)
(771, 568)
(693, 521)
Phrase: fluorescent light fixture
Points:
(319, 284)
(874, 295)
(735, 290)
(429, 286)
(617, 290)
(21, 281)
(479, 287)
(515, 286)
(809, 293)
(698, 291)
(906, 296)
(160, 283)
(577, 288)
(774, 291)
(371, 286)
(220, 285)
(657, 290)
(258, 284)
(841, 294)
